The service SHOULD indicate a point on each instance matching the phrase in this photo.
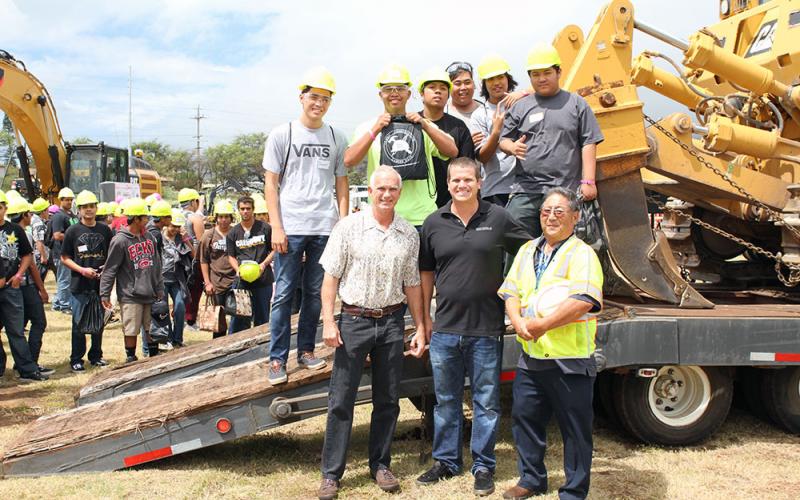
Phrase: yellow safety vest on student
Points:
(574, 266)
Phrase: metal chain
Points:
(794, 270)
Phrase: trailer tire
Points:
(603, 398)
(681, 405)
(781, 396)
(749, 382)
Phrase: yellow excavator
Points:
(56, 163)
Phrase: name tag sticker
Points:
(323, 164)
(536, 117)
(83, 248)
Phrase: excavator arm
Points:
(25, 100)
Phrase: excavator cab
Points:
(90, 165)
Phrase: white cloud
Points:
(241, 60)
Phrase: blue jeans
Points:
(480, 358)
(259, 300)
(63, 277)
(287, 278)
(11, 318)
(175, 291)
(78, 302)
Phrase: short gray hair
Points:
(385, 169)
(571, 197)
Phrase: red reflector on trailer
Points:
(787, 357)
(224, 426)
(148, 456)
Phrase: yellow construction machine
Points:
(26, 101)
(724, 171)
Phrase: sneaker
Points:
(308, 360)
(328, 489)
(167, 346)
(77, 367)
(131, 359)
(45, 370)
(386, 480)
(484, 483)
(193, 327)
(33, 377)
(277, 373)
(68, 312)
(99, 362)
(434, 474)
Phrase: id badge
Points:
(323, 164)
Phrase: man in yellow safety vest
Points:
(552, 291)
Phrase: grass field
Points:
(746, 459)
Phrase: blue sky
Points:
(240, 60)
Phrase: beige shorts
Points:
(134, 317)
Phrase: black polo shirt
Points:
(468, 264)
(459, 131)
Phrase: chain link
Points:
(793, 278)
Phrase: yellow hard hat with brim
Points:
(40, 205)
(393, 74)
(178, 219)
(492, 66)
(18, 206)
(260, 207)
(435, 75)
(542, 56)
(85, 198)
(249, 270)
(160, 208)
(104, 208)
(225, 207)
(320, 78)
(65, 193)
(134, 207)
(188, 194)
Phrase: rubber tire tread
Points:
(782, 398)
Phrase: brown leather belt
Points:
(370, 313)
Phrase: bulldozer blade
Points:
(642, 261)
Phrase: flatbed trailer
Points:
(667, 377)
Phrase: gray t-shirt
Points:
(307, 189)
(465, 117)
(556, 129)
(498, 172)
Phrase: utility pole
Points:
(130, 114)
(197, 117)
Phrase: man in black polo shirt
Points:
(461, 252)
(435, 87)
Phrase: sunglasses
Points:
(457, 66)
(558, 212)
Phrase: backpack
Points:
(48, 233)
(403, 148)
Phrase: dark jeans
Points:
(498, 199)
(196, 286)
(538, 395)
(259, 300)
(175, 290)
(382, 340)
(453, 357)
(34, 313)
(525, 208)
(287, 277)
(79, 301)
(12, 318)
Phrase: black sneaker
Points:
(131, 359)
(434, 474)
(99, 362)
(77, 367)
(484, 483)
(45, 370)
(33, 377)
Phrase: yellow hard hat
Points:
(393, 73)
(3, 198)
(187, 194)
(178, 219)
(249, 270)
(152, 198)
(116, 208)
(133, 207)
(12, 194)
(542, 56)
(18, 206)
(320, 78)
(435, 75)
(85, 198)
(160, 208)
(260, 207)
(225, 207)
(103, 208)
(65, 193)
(492, 66)
(40, 205)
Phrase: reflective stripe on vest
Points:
(576, 339)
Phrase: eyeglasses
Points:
(318, 99)
(457, 66)
(557, 212)
(393, 89)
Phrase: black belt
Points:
(370, 313)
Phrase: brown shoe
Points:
(328, 489)
(517, 492)
(386, 480)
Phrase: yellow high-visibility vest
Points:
(575, 266)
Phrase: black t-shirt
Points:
(14, 245)
(254, 245)
(460, 133)
(468, 262)
(88, 247)
(59, 223)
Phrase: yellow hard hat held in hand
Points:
(249, 270)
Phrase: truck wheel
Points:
(781, 395)
(681, 405)
(603, 398)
